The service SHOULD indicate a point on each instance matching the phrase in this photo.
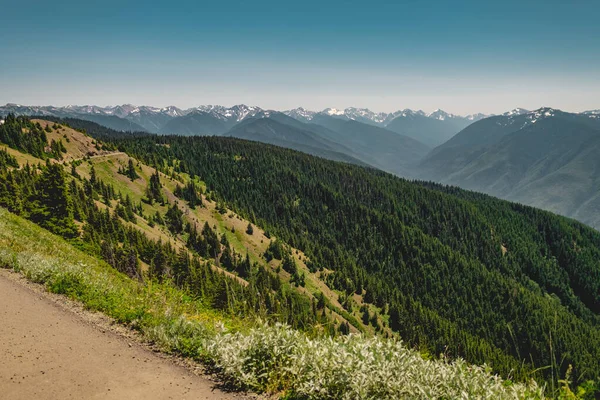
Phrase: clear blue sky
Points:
(464, 57)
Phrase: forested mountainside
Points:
(458, 273)
(544, 158)
(155, 222)
(449, 271)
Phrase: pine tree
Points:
(93, 178)
(245, 268)
(174, 219)
(131, 172)
(52, 206)
(74, 170)
(154, 190)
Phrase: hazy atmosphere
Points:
(463, 57)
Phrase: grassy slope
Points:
(229, 223)
(252, 355)
(82, 147)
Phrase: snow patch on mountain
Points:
(516, 111)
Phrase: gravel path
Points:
(52, 349)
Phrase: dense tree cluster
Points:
(129, 171)
(154, 190)
(24, 135)
(189, 193)
(6, 160)
(456, 272)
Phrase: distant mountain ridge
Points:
(237, 112)
(546, 158)
(335, 139)
(326, 135)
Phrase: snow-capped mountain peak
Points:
(440, 115)
(516, 111)
(476, 117)
(237, 112)
(333, 111)
(301, 114)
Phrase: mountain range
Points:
(431, 129)
(546, 158)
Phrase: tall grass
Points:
(249, 354)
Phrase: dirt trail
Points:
(48, 351)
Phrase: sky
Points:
(461, 56)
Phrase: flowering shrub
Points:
(351, 367)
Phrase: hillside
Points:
(269, 130)
(376, 146)
(145, 223)
(171, 215)
(545, 158)
(446, 270)
(248, 354)
(449, 271)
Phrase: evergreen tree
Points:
(154, 190)
(245, 267)
(174, 219)
(52, 206)
(131, 172)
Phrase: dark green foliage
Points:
(130, 171)
(154, 190)
(125, 209)
(245, 268)
(6, 160)
(174, 219)
(321, 302)
(74, 173)
(196, 242)
(274, 251)
(57, 148)
(249, 229)
(288, 264)
(433, 255)
(22, 134)
(212, 241)
(226, 259)
(52, 207)
(189, 193)
(122, 259)
(344, 328)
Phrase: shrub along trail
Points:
(50, 352)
